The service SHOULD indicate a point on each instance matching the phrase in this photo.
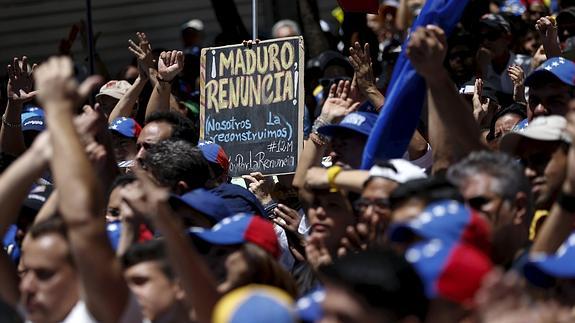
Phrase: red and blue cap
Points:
(542, 269)
(561, 68)
(448, 220)
(255, 304)
(360, 122)
(239, 229)
(126, 127)
(214, 153)
(452, 271)
(206, 203)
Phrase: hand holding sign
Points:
(171, 63)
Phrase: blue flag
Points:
(406, 93)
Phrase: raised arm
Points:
(143, 52)
(196, 278)
(15, 184)
(81, 202)
(170, 64)
(337, 106)
(559, 224)
(453, 131)
(361, 62)
(547, 28)
(19, 92)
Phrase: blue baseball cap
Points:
(239, 229)
(33, 123)
(449, 270)
(309, 306)
(239, 199)
(542, 269)
(360, 122)
(561, 68)
(126, 127)
(447, 220)
(206, 203)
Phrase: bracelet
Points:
(316, 139)
(566, 202)
(318, 123)
(10, 125)
(332, 172)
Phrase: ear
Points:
(181, 187)
(179, 291)
(521, 205)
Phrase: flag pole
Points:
(254, 19)
(91, 51)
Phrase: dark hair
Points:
(383, 279)
(427, 189)
(121, 181)
(153, 250)
(517, 109)
(52, 225)
(182, 127)
(171, 161)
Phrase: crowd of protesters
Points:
(112, 209)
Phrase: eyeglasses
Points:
(378, 204)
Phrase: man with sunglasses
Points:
(542, 148)
(495, 185)
(494, 55)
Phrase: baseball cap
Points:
(542, 269)
(239, 229)
(196, 24)
(449, 221)
(37, 196)
(449, 270)
(239, 199)
(360, 122)
(215, 154)
(397, 170)
(206, 203)
(255, 304)
(33, 123)
(546, 128)
(561, 68)
(309, 306)
(126, 127)
(495, 21)
(116, 89)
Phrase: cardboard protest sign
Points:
(252, 103)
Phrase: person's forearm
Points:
(417, 146)
(551, 46)
(81, 206)
(11, 136)
(160, 98)
(312, 154)
(15, 185)
(128, 236)
(351, 180)
(196, 277)
(49, 208)
(453, 131)
(403, 16)
(125, 107)
(375, 97)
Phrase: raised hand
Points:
(426, 50)
(55, 84)
(143, 52)
(145, 197)
(260, 186)
(517, 76)
(361, 62)
(480, 104)
(547, 28)
(287, 218)
(170, 64)
(338, 103)
(20, 81)
(316, 252)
